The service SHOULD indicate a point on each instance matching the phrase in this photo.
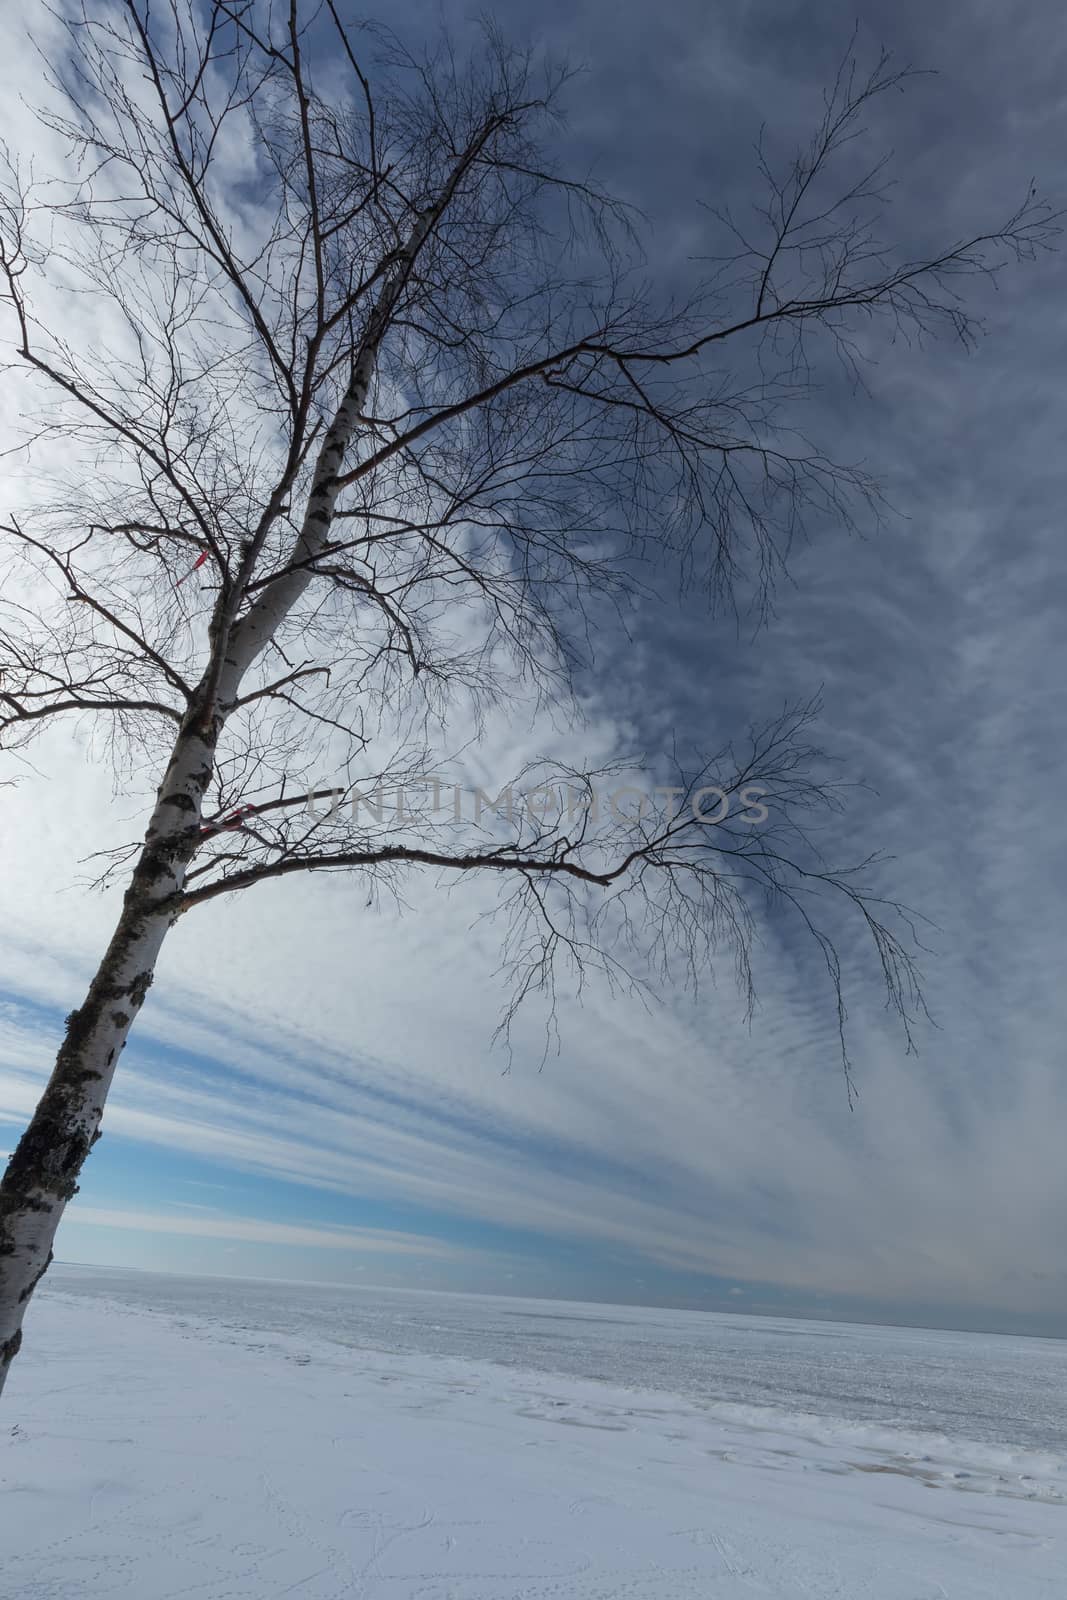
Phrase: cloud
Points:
(255, 1231)
(299, 1035)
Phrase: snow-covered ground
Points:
(174, 1441)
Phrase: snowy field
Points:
(164, 1438)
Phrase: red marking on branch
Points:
(232, 820)
(199, 562)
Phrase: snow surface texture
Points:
(158, 1443)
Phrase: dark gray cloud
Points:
(938, 639)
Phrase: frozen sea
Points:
(989, 1389)
(172, 1438)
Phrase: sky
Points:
(312, 1091)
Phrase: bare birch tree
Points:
(365, 406)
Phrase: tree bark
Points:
(43, 1172)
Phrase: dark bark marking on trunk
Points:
(30, 1287)
(139, 988)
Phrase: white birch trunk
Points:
(42, 1174)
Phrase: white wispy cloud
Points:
(253, 1230)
